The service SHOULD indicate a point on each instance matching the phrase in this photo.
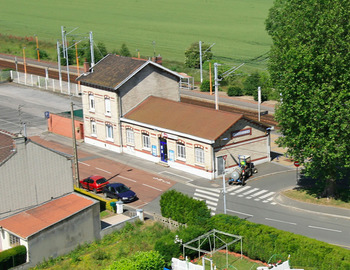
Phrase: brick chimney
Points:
(157, 59)
(86, 67)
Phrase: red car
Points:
(95, 183)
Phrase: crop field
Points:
(160, 27)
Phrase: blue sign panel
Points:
(154, 150)
(171, 155)
(47, 115)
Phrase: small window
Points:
(130, 136)
(181, 151)
(107, 106)
(146, 141)
(14, 240)
(91, 102)
(109, 132)
(199, 155)
(93, 128)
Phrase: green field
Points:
(235, 26)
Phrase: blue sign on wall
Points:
(47, 115)
(154, 150)
(171, 155)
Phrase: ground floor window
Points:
(93, 128)
(181, 151)
(146, 141)
(130, 139)
(109, 132)
(199, 155)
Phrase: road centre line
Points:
(103, 170)
(84, 163)
(326, 229)
(152, 187)
(126, 178)
(281, 221)
(239, 213)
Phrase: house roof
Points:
(189, 119)
(36, 219)
(6, 145)
(113, 71)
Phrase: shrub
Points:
(13, 257)
(167, 247)
(205, 86)
(234, 91)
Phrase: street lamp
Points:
(223, 177)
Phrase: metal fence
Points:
(45, 83)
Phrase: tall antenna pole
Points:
(59, 64)
(76, 169)
(216, 85)
(200, 60)
(63, 42)
(92, 50)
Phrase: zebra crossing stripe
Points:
(250, 191)
(268, 200)
(211, 208)
(232, 188)
(205, 197)
(212, 203)
(209, 193)
(240, 190)
(258, 193)
(266, 195)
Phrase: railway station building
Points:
(133, 106)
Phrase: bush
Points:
(13, 257)
(205, 86)
(184, 209)
(234, 91)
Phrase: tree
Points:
(192, 55)
(84, 51)
(309, 66)
(251, 84)
(124, 51)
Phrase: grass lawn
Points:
(162, 27)
(308, 196)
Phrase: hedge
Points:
(105, 204)
(183, 208)
(261, 242)
(13, 257)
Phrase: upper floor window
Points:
(91, 102)
(109, 132)
(146, 141)
(130, 139)
(93, 127)
(199, 155)
(181, 151)
(107, 106)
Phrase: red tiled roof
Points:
(6, 145)
(185, 118)
(36, 219)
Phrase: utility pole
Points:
(200, 59)
(224, 184)
(259, 102)
(76, 168)
(216, 85)
(92, 50)
(59, 64)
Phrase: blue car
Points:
(120, 192)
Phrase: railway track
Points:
(265, 119)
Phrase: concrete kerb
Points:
(330, 211)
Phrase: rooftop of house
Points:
(31, 221)
(185, 118)
(7, 144)
(113, 70)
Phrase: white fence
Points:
(46, 83)
(177, 264)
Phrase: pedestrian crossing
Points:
(249, 192)
(211, 198)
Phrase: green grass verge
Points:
(309, 197)
(236, 27)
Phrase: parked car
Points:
(95, 183)
(119, 191)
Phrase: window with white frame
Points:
(107, 106)
(91, 102)
(14, 240)
(130, 139)
(146, 141)
(93, 127)
(181, 151)
(199, 155)
(109, 132)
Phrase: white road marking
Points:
(268, 200)
(162, 180)
(211, 208)
(326, 229)
(209, 193)
(238, 212)
(177, 175)
(152, 187)
(205, 197)
(258, 193)
(240, 190)
(212, 203)
(281, 221)
(266, 195)
(84, 163)
(250, 191)
(126, 178)
(233, 188)
(103, 170)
